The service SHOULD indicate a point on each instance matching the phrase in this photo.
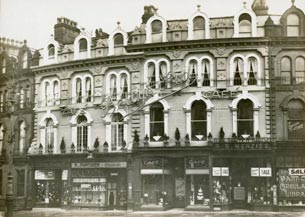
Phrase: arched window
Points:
(239, 71)
(78, 90)
(198, 120)
(245, 26)
(156, 26)
(152, 75)
(199, 27)
(193, 72)
(82, 133)
(24, 60)
(1, 138)
(245, 123)
(118, 39)
(56, 92)
(21, 99)
(47, 93)
(3, 65)
(296, 120)
(88, 90)
(300, 70)
(51, 50)
(21, 136)
(156, 122)
(252, 71)
(293, 25)
(113, 88)
(49, 133)
(124, 86)
(163, 74)
(83, 45)
(285, 70)
(117, 131)
(206, 73)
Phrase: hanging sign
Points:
(265, 172)
(255, 172)
(220, 171)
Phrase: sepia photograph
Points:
(151, 108)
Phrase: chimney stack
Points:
(260, 7)
(149, 11)
(65, 31)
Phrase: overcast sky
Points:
(34, 20)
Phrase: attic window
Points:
(199, 23)
(83, 44)
(51, 50)
(156, 26)
(245, 29)
(118, 39)
(293, 25)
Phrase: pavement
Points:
(45, 212)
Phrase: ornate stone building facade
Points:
(192, 113)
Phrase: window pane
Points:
(296, 118)
(245, 117)
(199, 23)
(293, 19)
(156, 129)
(293, 31)
(156, 26)
(51, 50)
(198, 111)
(156, 112)
(245, 127)
(20, 182)
(118, 39)
(83, 44)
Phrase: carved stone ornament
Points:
(176, 53)
(64, 85)
(64, 73)
(135, 65)
(97, 70)
(221, 51)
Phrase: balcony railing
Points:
(290, 80)
(289, 144)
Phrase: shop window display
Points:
(198, 190)
(221, 190)
(261, 191)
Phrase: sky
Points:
(33, 20)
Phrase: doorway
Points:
(239, 183)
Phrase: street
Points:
(170, 213)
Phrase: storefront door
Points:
(239, 183)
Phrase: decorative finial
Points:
(118, 22)
(293, 1)
(25, 41)
(83, 28)
(245, 4)
(198, 7)
(52, 35)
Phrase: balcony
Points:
(290, 144)
(290, 80)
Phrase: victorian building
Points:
(202, 113)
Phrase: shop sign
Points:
(44, 175)
(297, 172)
(217, 94)
(99, 165)
(291, 186)
(152, 163)
(261, 172)
(87, 173)
(220, 171)
(197, 163)
(64, 175)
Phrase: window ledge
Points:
(156, 144)
(199, 143)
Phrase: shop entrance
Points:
(239, 183)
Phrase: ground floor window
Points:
(261, 191)
(197, 187)
(221, 190)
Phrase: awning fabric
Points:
(155, 171)
(197, 171)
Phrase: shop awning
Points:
(197, 171)
(155, 171)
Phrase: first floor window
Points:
(49, 133)
(199, 120)
(117, 131)
(82, 133)
(156, 121)
(296, 120)
(245, 118)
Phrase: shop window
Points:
(152, 75)
(199, 27)
(21, 136)
(239, 71)
(1, 138)
(198, 190)
(296, 120)
(51, 51)
(49, 133)
(82, 133)
(1, 182)
(117, 131)
(83, 44)
(113, 88)
(293, 25)
(124, 86)
(3, 65)
(245, 26)
(20, 183)
(245, 118)
(199, 121)
(163, 74)
(206, 73)
(286, 70)
(78, 90)
(252, 71)
(156, 122)
(193, 72)
(24, 60)
(299, 70)
(118, 39)
(1, 101)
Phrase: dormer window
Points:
(24, 59)
(245, 27)
(293, 25)
(156, 30)
(118, 39)
(83, 45)
(199, 27)
(51, 51)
